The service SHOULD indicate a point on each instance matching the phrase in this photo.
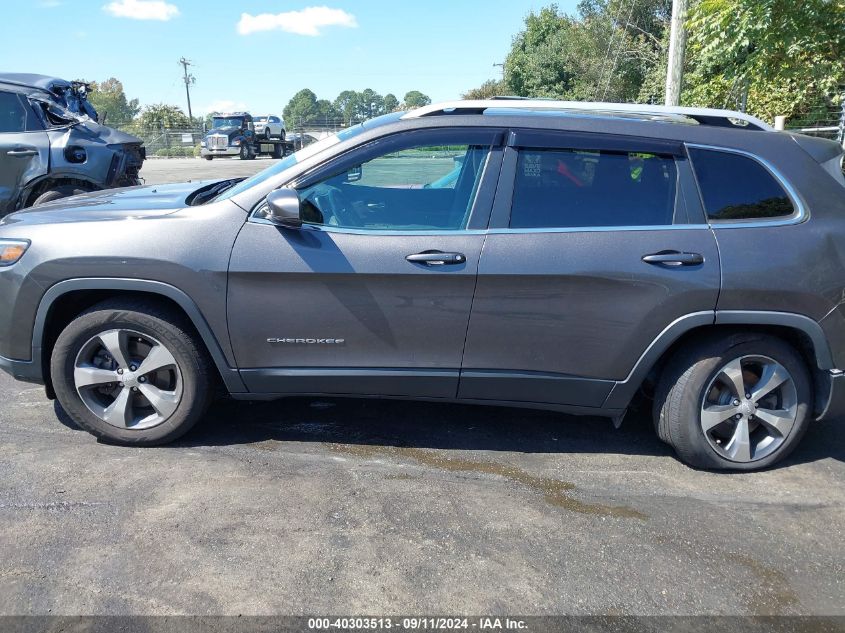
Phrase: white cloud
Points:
(224, 105)
(309, 21)
(142, 9)
(49, 4)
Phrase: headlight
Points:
(236, 142)
(202, 143)
(12, 250)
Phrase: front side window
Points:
(735, 187)
(423, 187)
(564, 188)
(13, 113)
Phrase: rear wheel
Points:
(736, 402)
(208, 157)
(57, 193)
(131, 373)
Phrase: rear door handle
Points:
(437, 258)
(674, 258)
(21, 153)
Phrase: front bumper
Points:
(228, 151)
(23, 370)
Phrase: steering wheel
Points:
(333, 204)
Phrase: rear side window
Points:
(578, 188)
(14, 114)
(735, 187)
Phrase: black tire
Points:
(57, 193)
(282, 135)
(267, 134)
(208, 157)
(688, 375)
(168, 327)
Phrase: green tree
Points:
(603, 53)
(110, 101)
(160, 116)
(416, 99)
(301, 109)
(788, 57)
(370, 104)
(391, 103)
(490, 88)
(347, 105)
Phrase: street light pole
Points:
(677, 48)
(189, 79)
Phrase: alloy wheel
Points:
(128, 379)
(749, 408)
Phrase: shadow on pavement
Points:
(397, 423)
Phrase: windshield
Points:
(306, 153)
(234, 121)
(260, 119)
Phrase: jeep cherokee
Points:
(545, 254)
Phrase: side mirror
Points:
(284, 208)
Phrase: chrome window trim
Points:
(410, 232)
(798, 216)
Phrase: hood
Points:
(93, 131)
(111, 204)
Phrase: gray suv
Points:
(565, 256)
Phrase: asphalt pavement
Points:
(316, 506)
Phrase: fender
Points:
(230, 376)
(623, 391)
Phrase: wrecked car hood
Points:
(110, 204)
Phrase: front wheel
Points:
(131, 373)
(244, 152)
(740, 401)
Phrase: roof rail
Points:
(703, 116)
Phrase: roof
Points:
(30, 80)
(671, 114)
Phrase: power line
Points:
(607, 53)
(619, 49)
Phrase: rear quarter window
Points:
(736, 187)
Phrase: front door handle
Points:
(674, 258)
(437, 258)
(21, 153)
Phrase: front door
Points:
(373, 294)
(594, 250)
(24, 148)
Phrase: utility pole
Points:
(677, 47)
(189, 79)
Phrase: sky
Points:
(256, 54)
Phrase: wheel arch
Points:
(51, 181)
(802, 332)
(67, 299)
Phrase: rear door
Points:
(373, 294)
(593, 251)
(24, 148)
